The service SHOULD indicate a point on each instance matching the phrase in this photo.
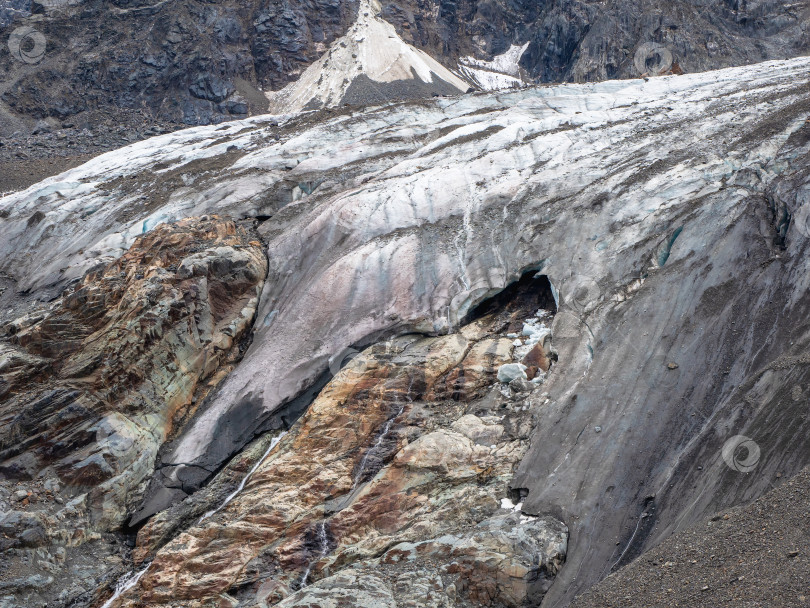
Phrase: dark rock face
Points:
(586, 40)
(289, 35)
(91, 387)
(190, 62)
(196, 63)
(111, 348)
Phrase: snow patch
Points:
(508, 504)
(503, 72)
(490, 81)
(534, 331)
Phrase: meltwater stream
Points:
(323, 538)
(383, 435)
(386, 429)
(235, 493)
(125, 583)
(323, 549)
(130, 579)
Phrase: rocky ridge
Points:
(189, 62)
(397, 473)
(193, 62)
(92, 386)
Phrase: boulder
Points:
(511, 371)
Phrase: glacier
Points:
(668, 213)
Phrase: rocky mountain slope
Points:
(397, 473)
(92, 385)
(196, 62)
(750, 556)
(369, 65)
(654, 233)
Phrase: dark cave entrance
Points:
(517, 302)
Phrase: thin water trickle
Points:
(273, 444)
(323, 544)
(386, 430)
(125, 583)
(323, 539)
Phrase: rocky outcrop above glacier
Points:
(370, 64)
(670, 216)
(398, 471)
(585, 40)
(188, 62)
(195, 62)
(92, 385)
